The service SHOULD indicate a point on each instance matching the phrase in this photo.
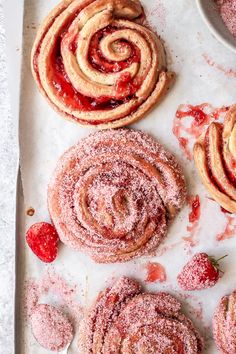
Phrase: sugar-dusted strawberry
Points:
(201, 272)
(43, 240)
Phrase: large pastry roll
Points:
(125, 320)
(215, 158)
(113, 194)
(224, 324)
(97, 64)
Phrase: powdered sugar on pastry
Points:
(126, 320)
(224, 324)
(112, 195)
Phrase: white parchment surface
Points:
(44, 136)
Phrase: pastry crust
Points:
(64, 69)
(224, 323)
(127, 321)
(215, 158)
(112, 195)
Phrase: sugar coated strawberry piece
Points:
(43, 240)
(201, 272)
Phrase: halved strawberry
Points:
(201, 272)
(43, 240)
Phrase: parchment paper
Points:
(44, 136)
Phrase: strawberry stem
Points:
(219, 259)
(215, 262)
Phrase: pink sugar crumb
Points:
(226, 71)
(228, 14)
(50, 327)
(157, 13)
(55, 284)
(161, 251)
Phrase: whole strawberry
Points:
(43, 240)
(201, 272)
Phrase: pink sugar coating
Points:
(193, 276)
(105, 194)
(54, 283)
(50, 327)
(224, 324)
(228, 14)
(124, 317)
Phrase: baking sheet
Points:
(44, 136)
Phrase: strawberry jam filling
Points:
(125, 87)
(225, 211)
(100, 63)
(75, 99)
(230, 168)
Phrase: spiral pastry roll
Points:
(112, 195)
(97, 64)
(215, 158)
(126, 320)
(224, 324)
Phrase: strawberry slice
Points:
(201, 272)
(43, 240)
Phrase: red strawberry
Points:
(201, 272)
(43, 240)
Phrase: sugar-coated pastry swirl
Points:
(97, 64)
(112, 195)
(125, 320)
(224, 324)
(215, 158)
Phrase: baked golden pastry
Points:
(97, 64)
(215, 158)
(113, 194)
(224, 324)
(127, 321)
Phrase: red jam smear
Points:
(196, 112)
(194, 216)
(187, 131)
(184, 144)
(229, 230)
(100, 63)
(195, 213)
(155, 272)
